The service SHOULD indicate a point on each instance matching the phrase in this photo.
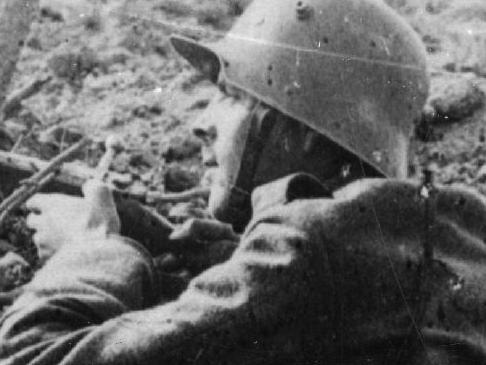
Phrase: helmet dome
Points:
(353, 70)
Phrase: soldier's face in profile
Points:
(224, 127)
(228, 131)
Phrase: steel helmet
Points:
(353, 70)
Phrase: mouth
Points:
(211, 164)
(209, 157)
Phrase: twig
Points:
(177, 197)
(73, 176)
(17, 143)
(13, 103)
(25, 194)
(70, 175)
(38, 180)
(21, 138)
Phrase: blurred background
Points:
(105, 66)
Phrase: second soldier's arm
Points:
(87, 304)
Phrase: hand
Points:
(194, 242)
(144, 226)
(192, 248)
(204, 230)
(202, 243)
(59, 219)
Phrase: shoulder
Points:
(382, 206)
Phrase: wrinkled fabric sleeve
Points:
(85, 284)
(87, 305)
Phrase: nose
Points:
(204, 133)
(207, 133)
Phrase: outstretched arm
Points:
(86, 305)
(85, 284)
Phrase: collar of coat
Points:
(287, 189)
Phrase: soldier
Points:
(315, 94)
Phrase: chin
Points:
(220, 196)
(218, 199)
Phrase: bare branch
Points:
(38, 181)
(13, 103)
(177, 197)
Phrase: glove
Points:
(148, 228)
(192, 248)
(202, 243)
(60, 219)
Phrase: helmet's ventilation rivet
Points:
(377, 156)
(304, 11)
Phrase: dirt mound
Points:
(452, 133)
(454, 97)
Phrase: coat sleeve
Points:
(88, 305)
(81, 287)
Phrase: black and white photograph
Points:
(244, 182)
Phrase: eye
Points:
(229, 91)
(233, 93)
(236, 96)
(207, 135)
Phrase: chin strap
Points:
(239, 204)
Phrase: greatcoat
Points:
(381, 272)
